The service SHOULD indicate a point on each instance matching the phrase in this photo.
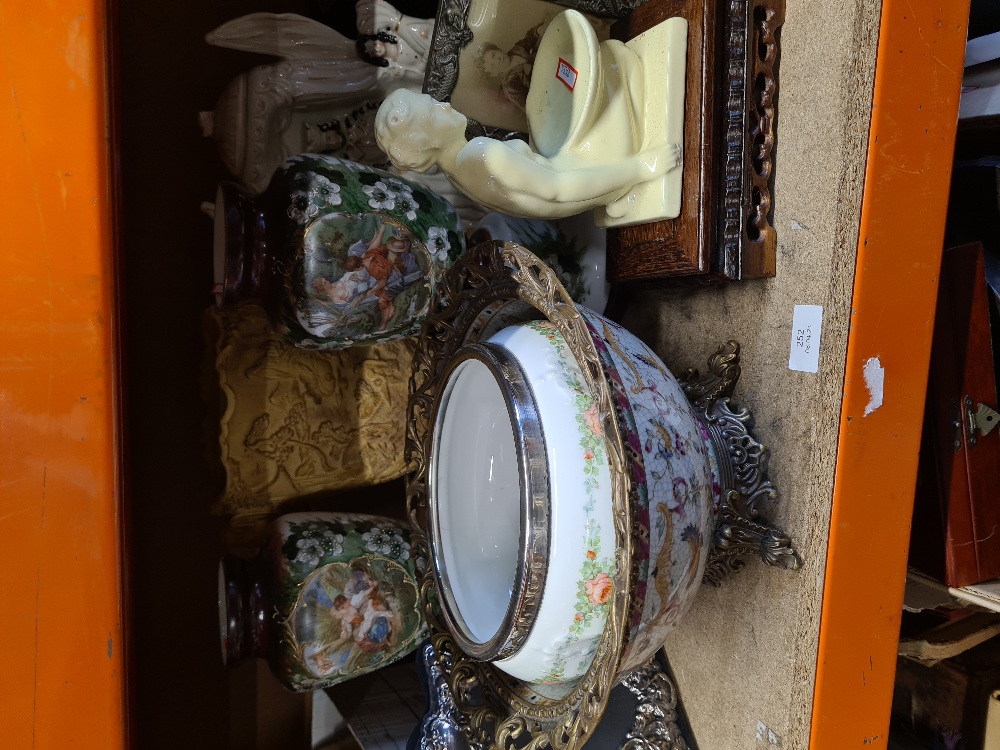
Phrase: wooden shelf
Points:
(923, 592)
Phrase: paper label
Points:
(567, 74)
(807, 324)
(875, 383)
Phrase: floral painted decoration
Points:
(380, 196)
(387, 541)
(676, 487)
(315, 542)
(350, 596)
(595, 584)
(437, 242)
(365, 251)
(312, 196)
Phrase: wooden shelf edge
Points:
(60, 469)
(918, 77)
(923, 592)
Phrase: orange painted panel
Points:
(61, 681)
(918, 78)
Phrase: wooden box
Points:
(956, 519)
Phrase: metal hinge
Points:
(983, 418)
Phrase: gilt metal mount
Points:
(743, 463)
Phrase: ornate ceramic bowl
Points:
(520, 492)
(588, 566)
(518, 470)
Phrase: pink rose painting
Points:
(599, 589)
(593, 420)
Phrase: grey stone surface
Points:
(746, 654)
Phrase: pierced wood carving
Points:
(747, 238)
(724, 232)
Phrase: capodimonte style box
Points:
(339, 254)
(330, 597)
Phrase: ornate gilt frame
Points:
(497, 284)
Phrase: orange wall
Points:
(918, 77)
(61, 681)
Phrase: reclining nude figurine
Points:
(605, 124)
(418, 132)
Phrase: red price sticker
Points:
(567, 74)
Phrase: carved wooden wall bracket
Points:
(724, 232)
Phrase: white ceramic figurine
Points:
(320, 96)
(396, 42)
(605, 122)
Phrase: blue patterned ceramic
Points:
(549, 604)
(675, 475)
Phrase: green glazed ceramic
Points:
(338, 253)
(331, 596)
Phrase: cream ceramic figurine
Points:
(605, 122)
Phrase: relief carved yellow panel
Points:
(296, 422)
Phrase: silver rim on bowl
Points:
(533, 476)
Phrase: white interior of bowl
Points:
(476, 485)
